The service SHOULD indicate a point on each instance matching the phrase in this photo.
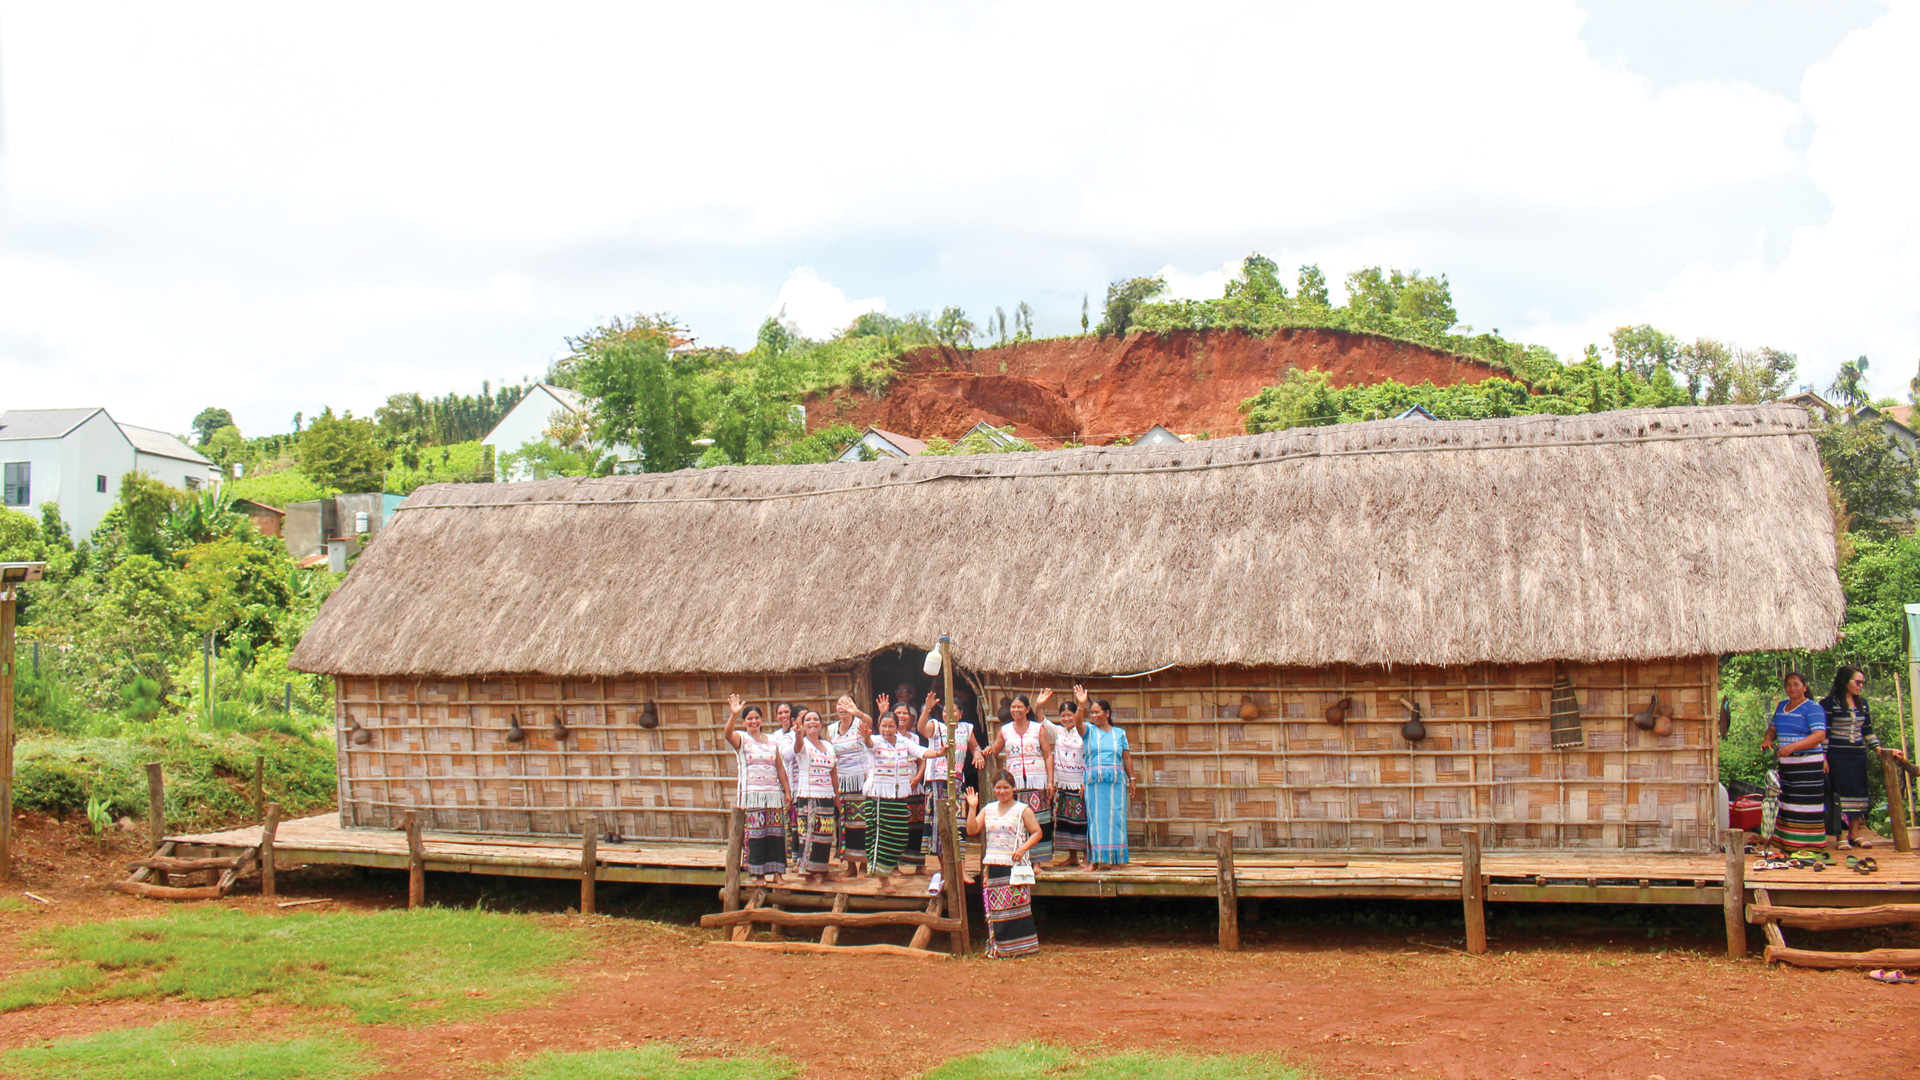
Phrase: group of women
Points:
(861, 789)
(1823, 748)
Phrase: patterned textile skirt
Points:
(1803, 802)
(937, 793)
(914, 854)
(1069, 820)
(1042, 808)
(886, 833)
(1010, 929)
(816, 822)
(796, 835)
(766, 848)
(1107, 819)
(853, 825)
(1847, 769)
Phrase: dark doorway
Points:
(893, 667)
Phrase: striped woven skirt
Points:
(1010, 928)
(1042, 808)
(1803, 801)
(1847, 772)
(886, 833)
(816, 824)
(936, 794)
(914, 853)
(766, 847)
(1107, 818)
(853, 824)
(1069, 820)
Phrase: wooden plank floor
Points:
(1610, 877)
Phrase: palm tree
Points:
(1850, 384)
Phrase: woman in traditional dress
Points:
(913, 857)
(813, 797)
(1799, 730)
(1851, 743)
(1012, 832)
(1069, 766)
(893, 777)
(935, 733)
(1108, 782)
(849, 734)
(763, 791)
(787, 717)
(1029, 760)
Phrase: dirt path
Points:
(1348, 1002)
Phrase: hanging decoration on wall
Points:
(360, 735)
(650, 715)
(1414, 730)
(1337, 712)
(1644, 718)
(514, 732)
(1249, 712)
(1565, 729)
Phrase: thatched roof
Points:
(1637, 534)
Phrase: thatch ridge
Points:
(1632, 534)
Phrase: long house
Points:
(1526, 585)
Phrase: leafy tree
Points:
(954, 329)
(1643, 348)
(144, 506)
(1083, 313)
(1305, 399)
(1123, 297)
(1850, 384)
(209, 421)
(1871, 473)
(234, 586)
(646, 395)
(1259, 280)
(1426, 302)
(1023, 322)
(226, 446)
(1310, 287)
(340, 452)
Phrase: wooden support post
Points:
(259, 784)
(6, 733)
(741, 932)
(923, 934)
(1734, 897)
(1896, 801)
(830, 935)
(267, 833)
(1473, 891)
(1229, 889)
(416, 862)
(156, 804)
(589, 862)
(736, 839)
(952, 871)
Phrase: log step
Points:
(828, 919)
(1848, 918)
(816, 947)
(230, 871)
(169, 892)
(1872, 958)
(187, 866)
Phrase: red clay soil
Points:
(1092, 389)
(1343, 1002)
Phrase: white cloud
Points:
(1205, 285)
(818, 308)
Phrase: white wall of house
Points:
(526, 422)
(177, 472)
(70, 471)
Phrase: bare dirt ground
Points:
(1556, 998)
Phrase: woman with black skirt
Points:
(1850, 746)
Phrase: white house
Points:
(532, 415)
(76, 457)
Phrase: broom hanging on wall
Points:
(1566, 731)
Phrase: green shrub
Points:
(280, 489)
(207, 773)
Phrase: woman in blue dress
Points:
(1107, 781)
(1850, 745)
(1798, 736)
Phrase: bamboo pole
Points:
(6, 734)
(589, 862)
(258, 790)
(1734, 896)
(956, 877)
(1473, 896)
(1229, 890)
(267, 836)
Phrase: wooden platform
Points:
(1510, 877)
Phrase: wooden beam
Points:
(830, 935)
(1605, 894)
(416, 861)
(1733, 900)
(952, 867)
(156, 804)
(1473, 891)
(923, 934)
(1872, 958)
(1896, 801)
(736, 839)
(1825, 918)
(1228, 890)
(188, 866)
(268, 833)
(742, 930)
(1776, 938)
(589, 862)
(167, 892)
(816, 947)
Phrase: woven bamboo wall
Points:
(1288, 780)
(1291, 780)
(439, 747)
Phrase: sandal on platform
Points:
(1868, 865)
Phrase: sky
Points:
(273, 209)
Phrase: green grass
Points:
(413, 967)
(207, 773)
(657, 1062)
(9, 903)
(1038, 1061)
(171, 1052)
